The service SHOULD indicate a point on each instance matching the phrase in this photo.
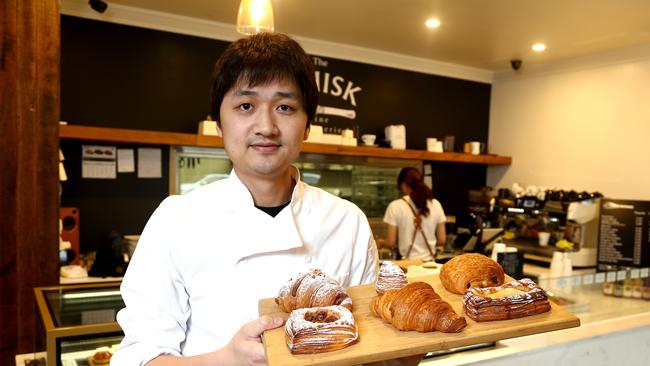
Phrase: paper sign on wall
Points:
(98, 162)
(149, 163)
(125, 161)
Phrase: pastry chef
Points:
(205, 258)
(416, 221)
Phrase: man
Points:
(205, 259)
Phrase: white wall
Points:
(583, 125)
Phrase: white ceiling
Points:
(485, 34)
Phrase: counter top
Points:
(89, 279)
(599, 315)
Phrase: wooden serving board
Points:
(379, 340)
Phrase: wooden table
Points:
(381, 341)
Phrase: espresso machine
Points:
(582, 221)
(568, 216)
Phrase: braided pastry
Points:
(470, 270)
(417, 306)
(320, 329)
(509, 301)
(391, 277)
(312, 289)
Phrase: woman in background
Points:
(416, 221)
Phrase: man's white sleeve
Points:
(155, 318)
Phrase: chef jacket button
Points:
(307, 259)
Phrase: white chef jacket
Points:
(399, 214)
(205, 259)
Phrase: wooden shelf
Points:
(105, 134)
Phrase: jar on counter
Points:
(646, 293)
(608, 288)
(637, 289)
(618, 289)
(627, 288)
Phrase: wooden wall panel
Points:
(29, 113)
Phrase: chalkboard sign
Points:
(623, 234)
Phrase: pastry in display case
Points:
(79, 323)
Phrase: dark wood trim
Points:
(174, 138)
(29, 113)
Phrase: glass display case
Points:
(371, 183)
(79, 320)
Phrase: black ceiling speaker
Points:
(98, 5)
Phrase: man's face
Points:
(263, 127)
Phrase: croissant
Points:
(417, 306)
(320, 329)
(312, 289)
(470, 270)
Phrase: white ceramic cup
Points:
(476, 147)
(496, 249)
(438, 147)
(368, 139)
(543, 237)
(567, 267)
(557, 265)
(431, 143)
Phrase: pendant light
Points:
(255, 16)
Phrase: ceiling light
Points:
(255, 16)
(539, 47)
(432, 23)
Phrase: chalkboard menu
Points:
(623, 239)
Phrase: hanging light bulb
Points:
(255, 16)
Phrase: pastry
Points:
(390, 277)
(312, 289)
(509, 301)
(320, 329)
(417, 306)
(470, 270)
(101, 358)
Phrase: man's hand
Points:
(246, 347)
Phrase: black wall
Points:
(126, 77)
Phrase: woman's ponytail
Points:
(420, 192)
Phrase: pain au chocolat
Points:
(470, 270)
(320, 329)
(512, 300)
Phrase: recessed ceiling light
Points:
(432, 23)
(539, 47)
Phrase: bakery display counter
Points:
(79, 322)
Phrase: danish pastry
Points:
(312, 289)
(417, 306)
(390, 277)
(320, 329)
(470, 270)
(509, 301)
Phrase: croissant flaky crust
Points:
(320, 329)
(390, 277)
(417, 306)
(509, 301)
(470, 270)
(312, 289)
